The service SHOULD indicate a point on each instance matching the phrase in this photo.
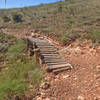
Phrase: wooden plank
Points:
(57, 71)
(44, 45)
(43, 54)
(52, 57)
(37, 40)
(56, 63)
(47, 50)
(40, 41)
(55, 59)
(50, 46)
(57, 66)
(37, 43)
(51, 61)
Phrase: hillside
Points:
(65, 21)
(72, 27)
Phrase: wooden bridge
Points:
(47, 54)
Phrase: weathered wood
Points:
(43, 43)
(50, 64)
(45, 46)
(49, 55)
(57, 66)
(57, 71)
(36, 54)
(46, 53)
(55, 59)
(47, 50)
(52, 57)
(49, 61)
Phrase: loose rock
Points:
(45, 85)
(80, 98)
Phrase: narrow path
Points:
(47, 53)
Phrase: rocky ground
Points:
(80, 83)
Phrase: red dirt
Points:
(80, 83)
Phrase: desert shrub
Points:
(17, 49)
(6, 41)
(3, 47)
(94, 35)
(6, 18)
(2, 57)
(67, 38)
(18, 69)
(64, 38)
(4, 38)
(87, 23)
(17, 18)
(48, 30)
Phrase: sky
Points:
(23, 3)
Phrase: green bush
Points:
(17, 18)
(17, 49)
(94, 35)
(15, 79)
(6, 18)
(64, 39)
(6, 41)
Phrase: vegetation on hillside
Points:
(18, 72)
(71, 18)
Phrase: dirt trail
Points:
(80, 83)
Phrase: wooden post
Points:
(36, 54)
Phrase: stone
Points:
(80, 98)
(47, 99)
(65, 77)
(78, 50)
(98, 68)
(45, 85)
(70, 66)
(38, 98)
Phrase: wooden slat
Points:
(57, 66)
(52, 57)
(50, 46)
(56, 63)
(45, 46)
(56, 71)
(49, 61)
(37, 43)
(47, 50)
(49, 55)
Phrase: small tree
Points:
(17, 18)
